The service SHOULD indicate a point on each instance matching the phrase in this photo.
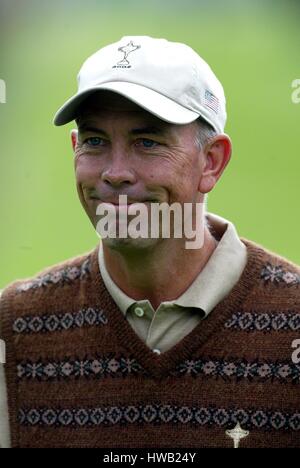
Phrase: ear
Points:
(217, 155)
(74, 138)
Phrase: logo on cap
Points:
(130, 47)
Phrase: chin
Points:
(130, 245)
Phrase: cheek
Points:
(85, 176)
(182, 175)
(183, 166)
(179, 161)
(189, 169)
(86, 170)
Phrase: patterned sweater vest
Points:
(79, 376)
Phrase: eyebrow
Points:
(148, 130)
(151, 130)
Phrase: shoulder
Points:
(275, 268)
(60, 274)
(278, 279)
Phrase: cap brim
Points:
(155, 103)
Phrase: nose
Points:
(119, 172)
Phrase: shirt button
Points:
(157, 351)
(139, 311)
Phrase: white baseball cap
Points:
(168, 79)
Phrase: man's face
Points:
(124, 150)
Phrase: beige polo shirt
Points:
(162, 328)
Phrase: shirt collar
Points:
(213, 283)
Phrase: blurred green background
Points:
(252, 46)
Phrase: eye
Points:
(94, 141)
(147, 143)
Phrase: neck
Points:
(159, 274)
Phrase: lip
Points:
(113, 202)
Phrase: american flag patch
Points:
(211, 101)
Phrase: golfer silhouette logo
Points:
(130, 47)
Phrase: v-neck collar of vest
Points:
(160, 365)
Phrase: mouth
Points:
(117, 204)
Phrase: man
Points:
(144, 342)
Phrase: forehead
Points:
(102, 103)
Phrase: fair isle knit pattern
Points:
(65, 275)
(79, 376)
(268, 321)
(55, 322)
(101, 367)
